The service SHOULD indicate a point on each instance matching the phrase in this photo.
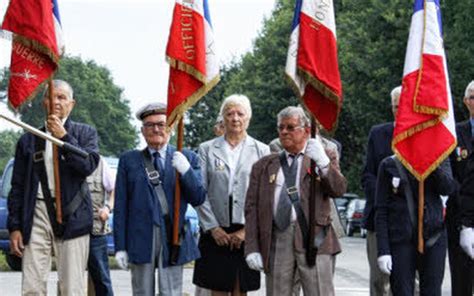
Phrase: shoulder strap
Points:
(408, 191)
(290, 181)
(154, 178)
(40, 168)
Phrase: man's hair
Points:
(469, 88)
(236, 100)
(60, 83)
(396, 92)
(292, 111)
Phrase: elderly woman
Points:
(226, 162)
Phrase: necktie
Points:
(283, 215)
(158, 165)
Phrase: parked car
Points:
(14, 262)
(354, 216)
(341, 205)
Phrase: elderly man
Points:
(461, 265)
(144, 203)
(379, 146)
(35, 234)
(277, 208)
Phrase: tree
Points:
(99, 102)
(8, 141)
(372, 39)
(202, 116)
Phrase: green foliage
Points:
(99, 102)
(8, 141)
(203, 115)
(372, 38)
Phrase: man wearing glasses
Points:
(277, 203)
(459, 234)
(144, 204)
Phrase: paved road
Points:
(352, 276)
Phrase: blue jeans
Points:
(98, 265)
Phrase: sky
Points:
(129, 38)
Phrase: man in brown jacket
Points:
(274, 240)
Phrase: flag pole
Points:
(57, 180)
(311, 251)
(177, 199)
(45, 136)
(421, 206)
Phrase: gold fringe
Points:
(319, 86)
(179, 65)
(434, 165)
(416, 107)
(296, 90)
(35, 45)
(179, 111)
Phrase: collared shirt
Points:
(233, 155)
(162, 153)
(280, 180)
(49, 165)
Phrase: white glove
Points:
(385, 264)
(315, 151)
(466, 241)
(254, 261)
(122, 259)
(180, 162)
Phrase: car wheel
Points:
(349, 229)
(13, 261)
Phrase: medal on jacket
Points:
(464, 153)
(272, 178)
(458, 153)
(219, 164)
(395, 184)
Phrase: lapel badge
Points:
(464, 153)
(272, 178)
(219, 165)
(395, 184)
(458, 153)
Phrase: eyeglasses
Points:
(151, 125)
(289, 128)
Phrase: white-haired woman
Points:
(226, 162)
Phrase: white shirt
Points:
(233, 155)
(280, 180)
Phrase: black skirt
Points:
(219, 267)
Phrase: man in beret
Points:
(144, 203)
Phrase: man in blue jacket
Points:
(35, 234)
(379, 146)
(144, 203)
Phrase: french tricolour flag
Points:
(424, 132)
(311, 64)
(191, 53)
(36, 48)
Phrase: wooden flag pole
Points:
(57, 180)
(421, 206)
(311, 251)
(177, 194)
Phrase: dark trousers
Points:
(98, 265)
(461, 266)
(430, 266)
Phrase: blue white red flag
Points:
(37, 44)
(424, 132)
(311, 64)
(191, 53)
